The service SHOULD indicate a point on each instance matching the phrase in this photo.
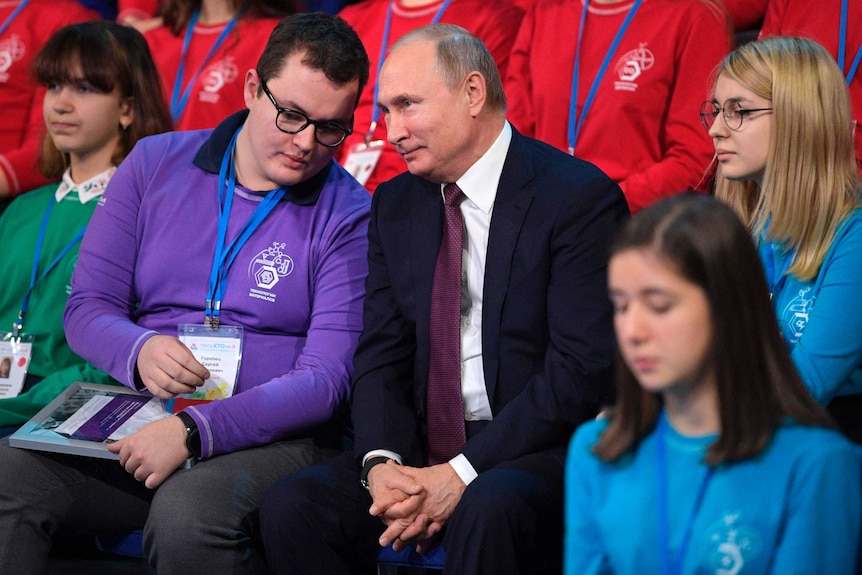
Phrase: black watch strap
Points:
(372, 461)
(193, 434)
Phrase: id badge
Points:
(15, 354)
(362, 159)
(220, 351)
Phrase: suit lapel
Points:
(511, 206)
(425, 233)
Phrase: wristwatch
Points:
(372, 461)
(193, 434)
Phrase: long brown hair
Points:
(758, 386)
(109, 56)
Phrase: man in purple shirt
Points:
(249, 231)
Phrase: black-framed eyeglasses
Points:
(290, 121)
(731, 113)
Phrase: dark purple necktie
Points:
(445, 407)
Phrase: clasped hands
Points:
(414, 503)
(167, 369)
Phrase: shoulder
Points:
(585, 437)
(344, 192)
(28, 205)
(810, 448)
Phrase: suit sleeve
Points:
(383, 380)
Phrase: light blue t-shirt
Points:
(796, 508)
(821, 320)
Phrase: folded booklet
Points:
(86, 417)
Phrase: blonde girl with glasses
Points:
(789, 171)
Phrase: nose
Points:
(630, 325)
(718, 129)
(395, 131)
(304, 140)
(62, 100)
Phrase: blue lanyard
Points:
(179, 102)
(673, 567)
(225, 255)
(13, 15)
(34, 280)
(375, 111)
(575, 122)
(842, 45)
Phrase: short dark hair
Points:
(327, 42)
(758, 386)
(110, 56)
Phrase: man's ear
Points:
(476, 91)
(251, 87)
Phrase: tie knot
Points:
(452, 194)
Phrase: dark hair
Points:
(109, 56)
(327, 42)
(758, 386)
(176, 14)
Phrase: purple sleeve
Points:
(98, 316)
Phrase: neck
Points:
(693, 412)
(82, 168)
(417, 3)
(216, 12)
(244, 166)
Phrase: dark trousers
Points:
(509, 521)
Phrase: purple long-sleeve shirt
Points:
(144, 269)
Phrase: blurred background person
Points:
(203, 50)
(614, 82)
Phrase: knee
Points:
(293, 501)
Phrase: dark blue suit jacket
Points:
(547, 332)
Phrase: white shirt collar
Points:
(88, 190)
(479, 183)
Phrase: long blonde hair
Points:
(811, 182)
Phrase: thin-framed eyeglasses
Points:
(731, 112)
(290, 121)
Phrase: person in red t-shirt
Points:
(25, 26)
(641, 127)
(495, 22)
(225, 39)
(821, 22)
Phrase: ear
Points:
(127, 112)
(251, 87)
(476, 91)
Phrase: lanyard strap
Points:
(18, 326)
(375, 111)
(225, 255)
(673, 566)
(842, 45)
(178, 100)
(13, 15)
(575, 122)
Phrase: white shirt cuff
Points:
(382, 453)
(463, 468)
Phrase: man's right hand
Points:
(167, 368)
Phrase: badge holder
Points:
(15, 354)
(362, 158)
(220, 351)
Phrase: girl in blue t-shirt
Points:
(715, 458)
(781, 123)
